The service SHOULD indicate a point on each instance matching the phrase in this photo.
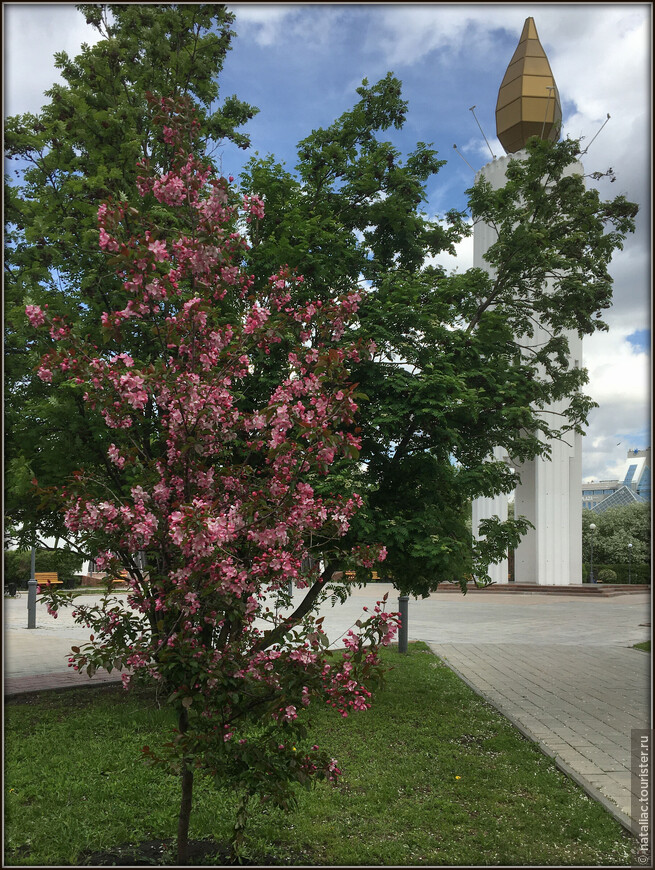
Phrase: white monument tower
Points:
(549, 494)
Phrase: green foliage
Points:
(551, 227)
(80, 150)
(616, 529)
(635, 574)
(606, 575)
(17, 564)
(450, 379)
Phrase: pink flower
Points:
(256, 318)
(169, 189)
(254, 205)
(107, 243)
(35, 315)
(289, 714)
(159, 250)
(115, 456)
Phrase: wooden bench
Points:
(352, 574)
(48, 578)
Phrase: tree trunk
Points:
(185, 803)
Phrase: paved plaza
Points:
(561, 668)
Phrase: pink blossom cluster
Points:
(253, 205)
(343, 685)
(35, 315)
(209, 474)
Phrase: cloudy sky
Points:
(301, 63)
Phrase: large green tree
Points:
(616, 529)
(80, 150)
(451, 378)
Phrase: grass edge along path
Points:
(432, 775)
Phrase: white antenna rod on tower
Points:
(482, 131)
(590, 144)
(463, 158)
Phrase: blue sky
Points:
(640, 339)
(301, 65)
(302, 70)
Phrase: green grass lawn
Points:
(432, 775)
(645, 646)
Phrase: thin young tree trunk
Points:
(185, 803)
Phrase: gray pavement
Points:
(562, 669)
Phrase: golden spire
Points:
(528, 99)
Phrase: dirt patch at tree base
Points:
(158, 853)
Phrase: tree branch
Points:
(276, 634)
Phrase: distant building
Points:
(632, 487)
(596, 492)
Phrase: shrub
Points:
(606, 575)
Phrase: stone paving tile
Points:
(600, 759)
(577, 760)
(624, 778)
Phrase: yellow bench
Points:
(352, 574)
(48, 578)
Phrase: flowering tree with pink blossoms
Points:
(214, 495)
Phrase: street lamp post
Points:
(629, 563)
(592, 529)
(31, 593)
(403, 607)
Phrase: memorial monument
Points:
(549, 493)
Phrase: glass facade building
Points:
(633, 485)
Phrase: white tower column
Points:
(549, 494)
(485, 508)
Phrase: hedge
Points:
(638, 573)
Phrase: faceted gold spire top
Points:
(528, 99)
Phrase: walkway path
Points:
(561, 668)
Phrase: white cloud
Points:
(617, 371)
(264, 22)
(446, 30)
(36, 32)
(619, 381)
(277, 24)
